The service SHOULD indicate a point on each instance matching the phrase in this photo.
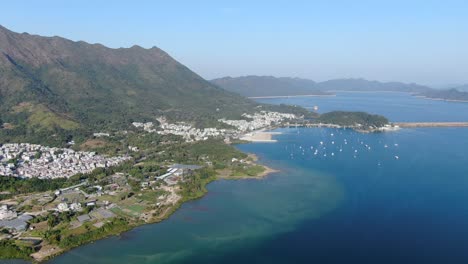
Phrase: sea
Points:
(338, 197)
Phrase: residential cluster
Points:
(31, 160)
(253, 122)
(258, 120)
(185, 130)
(11, 220)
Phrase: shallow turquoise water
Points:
(384, 198)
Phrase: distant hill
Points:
(257, 86)
(365, 85)
(350, 119)
(51, 84)
(253, 86)
(462, 88)
(450, 94)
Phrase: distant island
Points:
(260, 86)
(448, 95)
(268, 86)
(359, 120)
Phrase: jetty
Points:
(430, 124)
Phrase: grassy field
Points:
(41, 116)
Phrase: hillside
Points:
(366, 85)
(351, 119)
(270, 86)
(51, 84)
(462, 88)
(257, 86)
(450, 94)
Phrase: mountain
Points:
(449, 94)
(365, 85)
(55, 84)
(463, 88)
(270, 86)
(257, 86)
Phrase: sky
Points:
(424, 42)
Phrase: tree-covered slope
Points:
(80, 85)
(352, 119)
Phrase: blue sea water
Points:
(396, 106)
(339, 197)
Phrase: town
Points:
(30, 160)
(259, 120)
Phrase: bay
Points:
(340, 197)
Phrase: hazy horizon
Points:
(419, 42)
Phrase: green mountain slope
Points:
(54, 84)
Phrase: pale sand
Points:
(260, 136)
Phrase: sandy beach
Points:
(260, 136)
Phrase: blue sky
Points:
(411, 41)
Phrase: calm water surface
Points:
(340, 197)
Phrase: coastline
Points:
(267, 170)
(287, 96)
(51, 251)
(440, 99)
(260, 136)
(256, 171)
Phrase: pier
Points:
(430, 124)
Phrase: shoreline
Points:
(253, 161)
(260, 136)
(440, 99)
(287, 96)
(52, 251)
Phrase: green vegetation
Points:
(132, 203)
(113, 227)
(195, 186)
(42, 117)
(89, 86)
(247, 169)
(10, 249)
(73, 89)
(18, 186)
(353, 119)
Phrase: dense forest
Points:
(351, 119)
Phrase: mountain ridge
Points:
(252, 86)
(101, 88)
(52, 87)
(260, 86)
